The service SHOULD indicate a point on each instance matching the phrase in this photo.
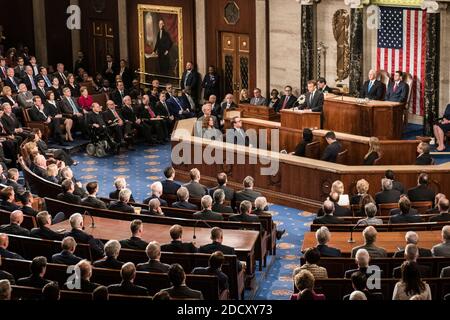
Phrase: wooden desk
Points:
(380, 119)
(300, 120)
(258, 112)
(390, 241)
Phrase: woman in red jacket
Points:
(85, 101)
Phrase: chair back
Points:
(342, 157)
(312, 150)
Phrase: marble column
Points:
(40, 31)
(261, 48)
(307, 45)
(200, 35)
(123, 31)
(356, 50)
(76, 38)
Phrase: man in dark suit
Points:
(333, 149)
(228, 105)
(71, 109)
(153, 251)
(183, 200)
(362, 259)
(114, 122)
(68, 187)
(11, 81)
(405, 215)
(388, 194)
(222, 180)
(443, 215)
(211, 83)
(127, 286)
(372, 88)
(179, 290)
(245, 213)
(119, 94)
(43, 231)
(153, 126)
(29, 79)
(122, 205)
(110, 69)
(422, 192)
(359, 283)
(4, 252)
(8, 198)
(112, 250)
(40, 90)
(119, 184)
(43, 75)
(396, 185)
(77, 224)
(248, 193)
(169, 185)
(218, 202)
(214, 268)
(179, 107)
(411, 254)
(61, 74)
(339, 211)
(287, 101)
(162, 49)
(328, 217)
(397, 90)
(13, 178)
(19, 70)
(14, 228)
(207, 213)
(91, 200)
(322, 86)
(196, 189)
(66, 256)
(412, 237)
(135, 242)
(177, 245)
(370, 238)
(190, 80)
(424, 158)
(85, 274)
(157, 192)
(314, 98)
(323, 236)
(38, 268)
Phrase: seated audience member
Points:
(58, 154)
(6, 275)
(8, 202)
(222, 181)
(261, 209)
(287, 101)
(404, 203)
(445, 273)
(196, 189)
(127, 286)
(218, 204)
(157, 192)
(27, 204)
(66, 256)
(328, 217)
(13, 178)
(161, 296)
(67, 195)
(338, 187)
(122, 205)
(119, 184)
(100, 294)
(244, 97)
(339, 210)
(435, 209)
(179, 289)
(441, 128)
(86, 285)
(5, 290)
(424, 158)
(209, 131)
(371, 211)
(52, 173)
(323, 236)
(304, 282)
(396, 185)
(312, 257)
(77, 225)
(443, 215)
(4, 252)
(177, 245)
(411, 283)
(359, 284)
(333, 149)
(43, 231)
(183, 200)
(422, 192)
(405, 215)
(67, 173)
(38, 268)
(274, 100)
(14, 228)
(357, 296)
(412, 237)
(388, 194)
(443, 249)
(155, 208)
(362, 259)
(248, 193)
(308, 137)
(207, 213)
(245, 215)
(258, 99)
(91, 200)
(411, 254)
(85, 100)
(135, 242)
(374, 152)
(366, 199)
(362, 187)
(153, 252)
(112, 251)
(51, 292)
(237, 136)
(370, 238)
(169, 185)
(214, 268)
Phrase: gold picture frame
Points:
(169, 66)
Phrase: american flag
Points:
(402, 45)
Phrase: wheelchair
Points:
(102, 144)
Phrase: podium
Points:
(300, 119)
(258, 112)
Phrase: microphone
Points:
(92, 219)
(195, 227)
(351, 240)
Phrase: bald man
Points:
(14, 228)
(4, 252)
(372, 88)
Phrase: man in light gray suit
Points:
(258, 99)
(443, 249)
(25, 97)
(236, 135)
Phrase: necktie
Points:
(47, 81)
(14, 83)
(74, 108)
(311, 97)
(178, 103)
(63, 77)
(187, 77)
(165, 106)
(395, 87)
(285, 102)
(160, 34)
(45, 116)
(152, 114)
(33, 85)
(370, 85)
(35, 70)
(4, 73)
(116, 115)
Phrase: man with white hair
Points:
(372, 88)
(112, 251)
(40, 166)
(119, 184)
(5, 290)
(228, 104)
(155, 208)
(323, 236)
(412, 237)
(370, 238)
(207, 213)
(357, 295)
(157, 192)
(122, 204)
(371, 211)
(328, 209)
(77, 224)
(183, 200)
(127, 286)
(443, 249)
(411, 254)
(262, 208)
(362, 259)
(85, 269)
(154, 255)
(207, 112)
(14, 228)
(388, 194)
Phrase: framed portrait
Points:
(161, 42)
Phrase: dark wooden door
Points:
(102, 42)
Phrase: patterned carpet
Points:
(146, 165)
